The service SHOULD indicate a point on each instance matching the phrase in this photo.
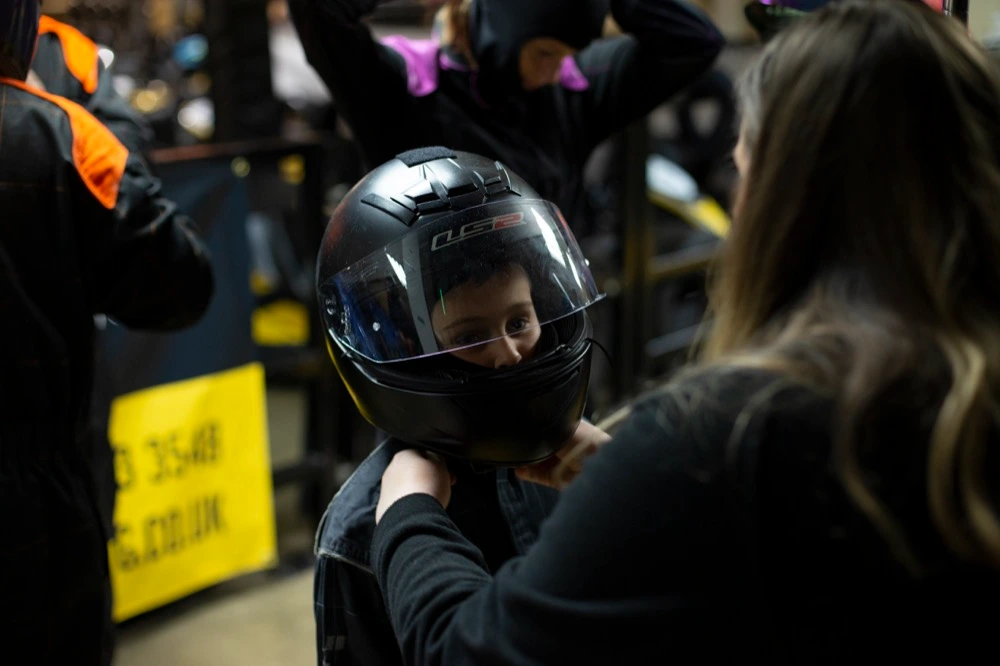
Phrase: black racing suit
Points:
(396, 95)
(84, 231)
(67, 64)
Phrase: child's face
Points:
(499, 308)
(541, 62)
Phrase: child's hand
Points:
(411, 472)
(557, 471)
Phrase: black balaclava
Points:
(19, 34)
(499, 28)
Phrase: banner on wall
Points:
(188, 422)
(194, 501)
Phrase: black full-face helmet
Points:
(432, 261)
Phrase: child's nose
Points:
(505, 353)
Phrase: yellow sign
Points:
(280, 323)
(195, 500)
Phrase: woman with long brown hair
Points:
(821, 486)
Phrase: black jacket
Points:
(710, 530)
(494, 510)
(401, 94)
(84, 231)
(67, 63)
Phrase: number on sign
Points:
(124, 468)
(205, 445)
(124, 553)
(163, 449)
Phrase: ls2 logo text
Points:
(467, 231)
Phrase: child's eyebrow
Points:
(477, 319)
(463, 321)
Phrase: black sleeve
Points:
(645, 554)
(668, 45)
(367, 80)
(157, 273)
(118, 116)
(149, 268)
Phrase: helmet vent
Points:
(401, 213)
(417, 156)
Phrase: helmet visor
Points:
(494, 272)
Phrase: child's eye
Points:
(517, 325)
(467, 339)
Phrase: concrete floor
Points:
(259, 620)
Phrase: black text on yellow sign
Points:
(194, 504)
(174, 528)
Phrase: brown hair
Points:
(865, 250)
(453, 17)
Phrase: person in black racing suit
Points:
(85, 231)
(525, 82)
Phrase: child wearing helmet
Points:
(490, 322)
(454, 300)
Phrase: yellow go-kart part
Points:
(671, 188)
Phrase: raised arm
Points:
(667, 45)
(367, 80)
(144, 262)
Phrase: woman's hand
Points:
(557, 471)
(411, 472)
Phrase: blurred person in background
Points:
(69, 64)
(528, 83)
(85, 232)
(822, 486)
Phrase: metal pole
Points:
(631, 329)
(957, 8)
(239, 62)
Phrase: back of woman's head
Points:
(866, 245)
(452, 25)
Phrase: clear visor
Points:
(491, 274)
